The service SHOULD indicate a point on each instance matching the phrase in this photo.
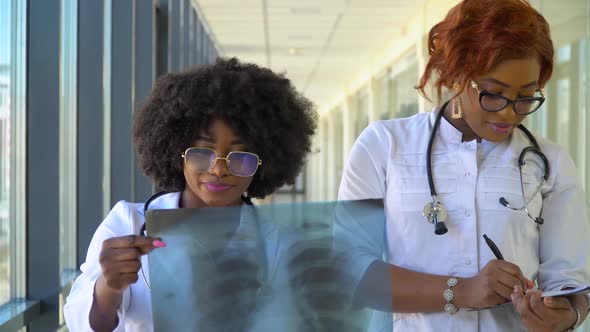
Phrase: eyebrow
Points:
(212, 140)
(493, 80)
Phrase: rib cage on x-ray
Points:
(279, 268)
(218, 271)
(231, 294)
(321, 286)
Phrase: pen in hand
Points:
(528, 283)
(494, 248)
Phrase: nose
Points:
(219, 168)
(509, 113)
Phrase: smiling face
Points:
(217, 186)
(512, 79)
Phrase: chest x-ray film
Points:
(286, 267)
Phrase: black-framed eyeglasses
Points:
(493, 102)
(239, 163)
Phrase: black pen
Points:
(494, 248)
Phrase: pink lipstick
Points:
(501, 128)
(217, 187)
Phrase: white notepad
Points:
(580, 290)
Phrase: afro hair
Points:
(262, 107)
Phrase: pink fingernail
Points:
(159, 244)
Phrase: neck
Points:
(461, 125)
(189, 200)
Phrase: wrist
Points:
(576, 317)
(102, 287)
(106, 299)
(103, 312)
(462, 292)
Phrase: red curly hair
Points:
(476, 35)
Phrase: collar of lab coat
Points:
(166, 201)
(446, 132)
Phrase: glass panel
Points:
(563, 54)
(562, 97)
(563, 116)
(361, 113)
(403, 98)
(67, 141)
(300, 182)
(325, 148)
(337, 147)
(585, 107)
(5, 147)
(383, 96)
(107, 95)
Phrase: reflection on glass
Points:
(584, 149)
(5, 145)
(325, 156)
(563, 111)
(361, 113)
(287, 267)
(563, 118)
(563, 54)
(337, 147)
(67, 142)
(403, 98)
(383, 96)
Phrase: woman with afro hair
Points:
(212, 136)
(471, 165)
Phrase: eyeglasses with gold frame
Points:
(239, 163)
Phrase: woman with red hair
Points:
(479, 172)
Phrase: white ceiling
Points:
(320, 44)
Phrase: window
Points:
(403, 98)
(382, 84)
(361, 113)
(5, 148)
(563, 117)
(337, 148)
(325, 153)
(67, 142)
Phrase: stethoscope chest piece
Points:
(435, 212)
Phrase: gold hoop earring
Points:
(457, 112)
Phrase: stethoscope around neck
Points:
(435, 212)
(245, 199)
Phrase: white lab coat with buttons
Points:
(389, 160)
